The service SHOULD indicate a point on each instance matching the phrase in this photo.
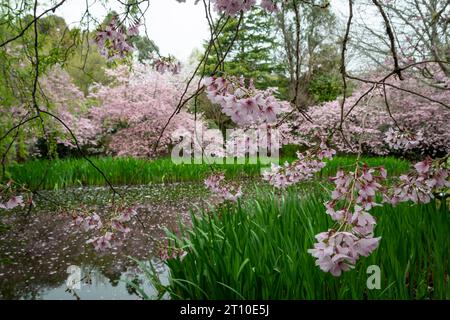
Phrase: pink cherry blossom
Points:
(352, 198)
(402, 140)
(338, 251)
(126, 215)
(419, 185)
(132, 112)
(113, 39)
(269, 5)
(13, 202)
(335, 252)
(365, 246)
(78, 221)
(302, 169)
(167, 64)
(93, 222)
(233, 7)
(423, 167)
(425, 129)
(120, 226)
(102, 243)
(244, 104)
(216, 183)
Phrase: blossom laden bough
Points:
(414, 127)
(419, 186)
(352, 198)
(113, 40)
(233, 7)
(302, 169)
(338, 251)
(355, 195)
(402, 140)
(242, 102)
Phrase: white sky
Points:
(177, 28)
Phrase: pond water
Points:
(42, 249)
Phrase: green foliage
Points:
(59, 46)
(258, 250)
(87, 66)
(145, 48)
(253, 54)
(17, 74)
(326, 81)
(325, 88)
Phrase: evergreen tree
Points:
(254, 53)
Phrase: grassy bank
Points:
(56, 174)
(258, 250)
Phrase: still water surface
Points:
(38, 249)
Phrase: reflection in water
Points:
(36, 252)
(96, 284)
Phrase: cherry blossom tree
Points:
(403, 109)
(390, 120)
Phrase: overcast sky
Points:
(177, 28)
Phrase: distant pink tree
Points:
(423, 121)
(67, 101)
(135, 109)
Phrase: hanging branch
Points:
(115, 192)
(294, 100)
(183, 101)
(297, 52)
(343, 68)
(389, 32)
(34, 92)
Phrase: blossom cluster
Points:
(302, 169)
(163, 65)
(233, 7)
(242, 102)
(226, 192)
(338, 250)
(269, 5)
(117, 228)
(428, 177)
(9, 198)
(402, 140)
(113, 39)
(13, 202)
